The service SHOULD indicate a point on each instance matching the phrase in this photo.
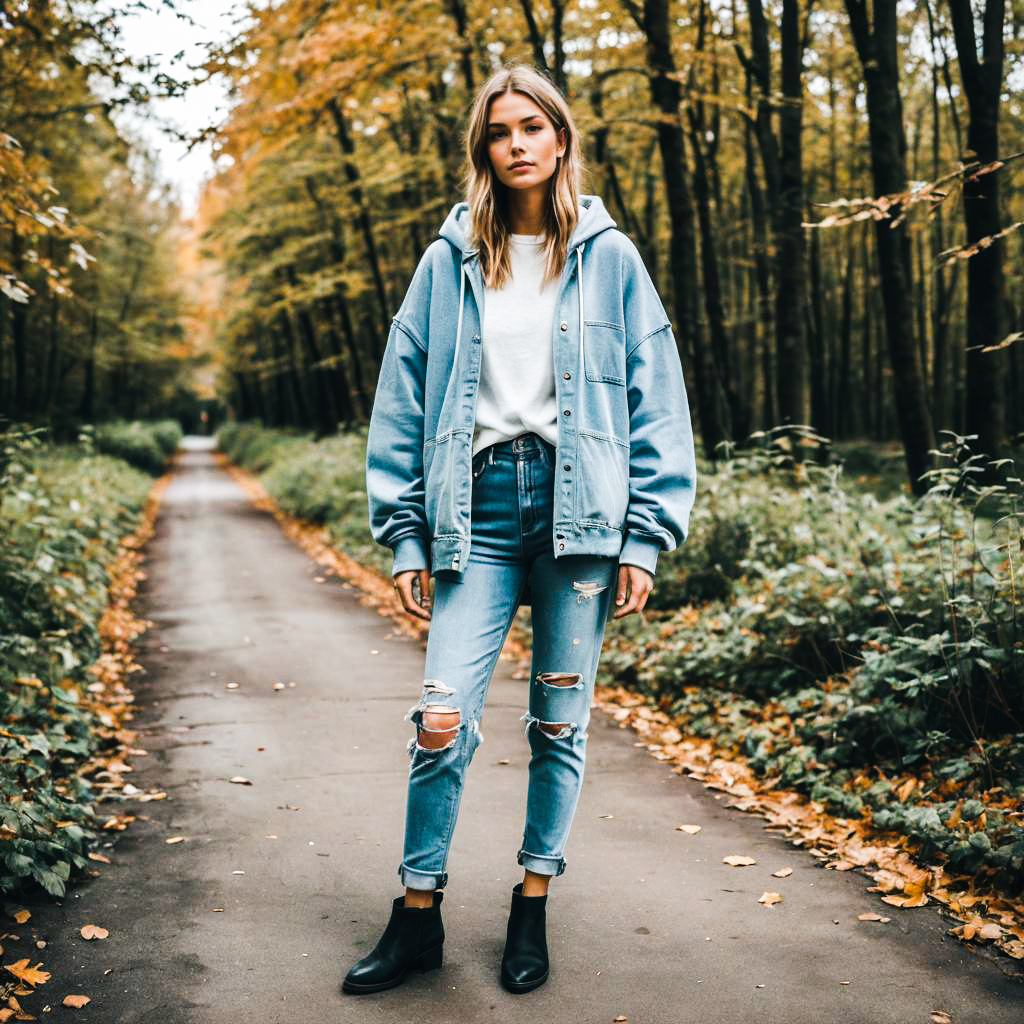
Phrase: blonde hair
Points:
(488, 197)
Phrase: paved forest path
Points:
(647, 922)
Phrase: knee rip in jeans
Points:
(587, 589)
(437, 725)
(556, 730)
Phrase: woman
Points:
(530, 440)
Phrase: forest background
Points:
(828, 196)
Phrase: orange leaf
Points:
(93, 931)
(76, 1002)
(769, 899)
(21, 916)
(30, 975)
(101, 857)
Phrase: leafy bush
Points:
(147, 446)
(256, 447)
(62, 514)
(855, 635)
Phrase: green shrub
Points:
(63, 512)
(147, 446)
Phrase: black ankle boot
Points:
(524, 964)
(412, 941)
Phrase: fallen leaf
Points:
(278, 686)
(30, 975)
(21, 916)
(620, 1018)
(769, 899)
(940, 1017)
(872, 916)
(231, 686)
(171, 840)
(15, 1008)
(76, 1002)
(906, 901)
(689, 829)
(606, 815)
(101, 857)
(737, 861)
(240, 780)
(216, 910)
(782, 873)
(93, 931)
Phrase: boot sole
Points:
(429, 960)
(518, 987)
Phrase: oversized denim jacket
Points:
(625, 470)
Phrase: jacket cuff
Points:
(640, 551)
(410, 553)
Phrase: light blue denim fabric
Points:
(512, 511)
(625, 473)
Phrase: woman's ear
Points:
(561, 143)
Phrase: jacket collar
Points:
(593, 219)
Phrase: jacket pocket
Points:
(602, 485)
(604, 352)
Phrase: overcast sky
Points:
(160, 33)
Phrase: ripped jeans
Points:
(513, 487)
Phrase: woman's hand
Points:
(404, 582)
(635, 584)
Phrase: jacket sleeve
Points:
(394, 447)
(662, 461)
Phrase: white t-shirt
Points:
(517, 382)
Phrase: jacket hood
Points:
(593, 219)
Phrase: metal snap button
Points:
(567, 375)
(563, 326)
(566, 413)
(566, 467)
(561, 547)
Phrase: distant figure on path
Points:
(530, 442)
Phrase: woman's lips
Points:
(520, 167)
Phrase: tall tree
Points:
(983, 85)
(875, 37)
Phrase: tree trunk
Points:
(665, 94)
(365, 224)
(877, 50)
(986, 371)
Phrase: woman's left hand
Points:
(634, 587)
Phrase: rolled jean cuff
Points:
(412, 879)
(541, 865)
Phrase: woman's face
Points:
(521, 142)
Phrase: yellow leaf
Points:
(101, 857)
(737, 861)
(93, 931)
(76, 1002)
(769, 899)
(30, 975)
(782, 873)
(906, 789)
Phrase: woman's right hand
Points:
(404, 584)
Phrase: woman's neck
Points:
(526, 211)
